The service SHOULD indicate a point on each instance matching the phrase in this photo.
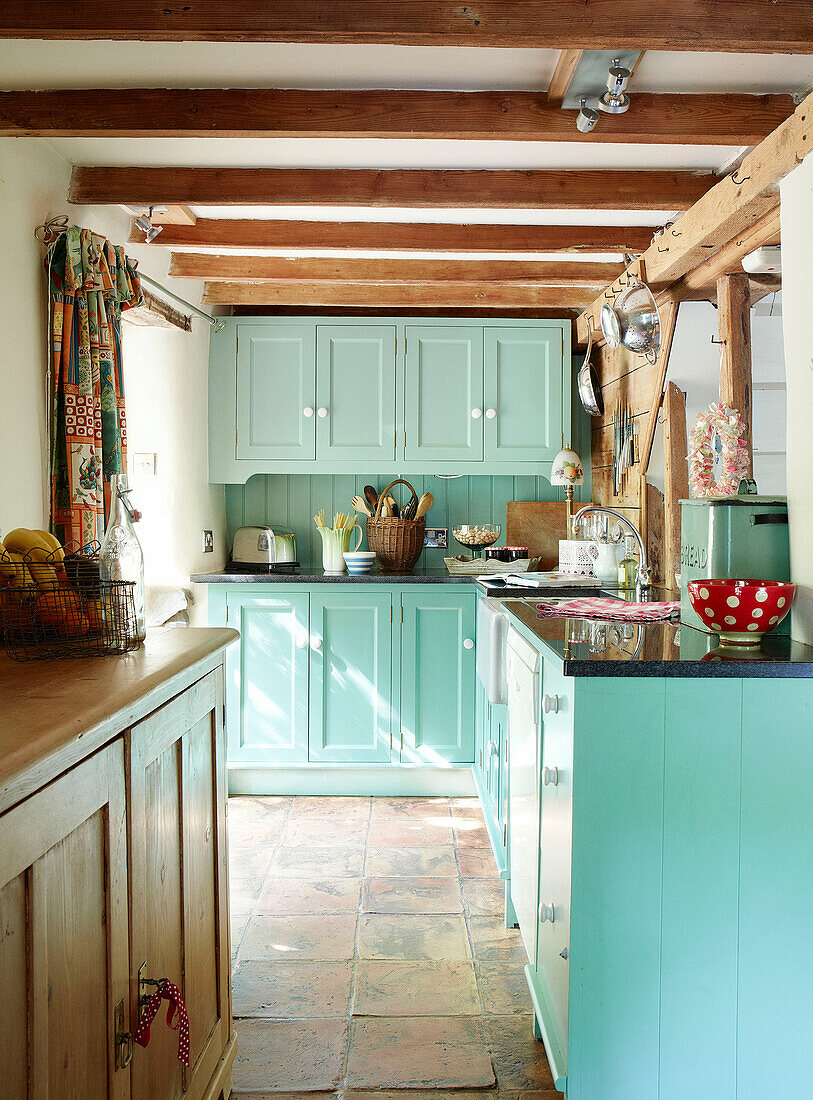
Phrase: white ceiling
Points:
(39, 64)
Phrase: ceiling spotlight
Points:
(149, 230)
(614, 101)
(587, 118)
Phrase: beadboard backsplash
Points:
(291, 501)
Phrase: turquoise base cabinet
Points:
(673, 947)
(349, 674)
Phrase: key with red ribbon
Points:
(177, 1018)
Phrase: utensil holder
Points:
(396, 543)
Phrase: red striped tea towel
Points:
(618, 611)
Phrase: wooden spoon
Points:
(371, 496)
(394, 509)
(424, 504)
(360, 505)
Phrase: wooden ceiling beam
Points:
(298, 113)
(401, 236)
(723, 215)
(701, 283)
(462, 295)
(529, 190)
(571, 273)
(784, 26)
(560, 82)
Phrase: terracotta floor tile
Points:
(428, 1094)
(256, 819)
(291, 896)
(412, 831)
(484, 897)
(399, 809)
(493, 942)
(297, 1096)
(503, 988)
(312, 830)
(418, 1052)
(470, 833)
(519, 1059)
(330, 807)
(292, 990)
(317, 861)
(415, 988)
(477, 863)
(289, 1056)
(300, 937)
(468, 808)
(413, 938)
(411, 862)
(411, 895)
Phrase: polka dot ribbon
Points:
(177, 1018)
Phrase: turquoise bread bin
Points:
(743, 536)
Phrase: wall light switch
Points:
(436, 538)
(145, 464)
(208, 542)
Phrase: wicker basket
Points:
(396, 543)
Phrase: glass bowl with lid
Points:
(476, 536)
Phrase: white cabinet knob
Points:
(490, 414)
(550, 777)
(468, 643)
(550, 704)
(301, 643)
(307, 412)
(316, 643)
(546, 913)
(493, 749)
(476, 414)
(322, 413)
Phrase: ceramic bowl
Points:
(741, 612)
(359, 562)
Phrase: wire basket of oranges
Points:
(54, 604)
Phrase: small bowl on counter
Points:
(741, 612)
(506, 553)
(358, 562)
(476, 536)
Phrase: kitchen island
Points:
(661, 857)
(113, 869)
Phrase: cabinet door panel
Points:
(276, 381)
(444, 383)
(64, 958)
(350, 677)
(438, 678)
(179, 884)
(267, 685)
(356, 385)
(523, 385)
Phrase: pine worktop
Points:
(55, 713)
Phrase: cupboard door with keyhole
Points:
(64, 961)
(179, 885)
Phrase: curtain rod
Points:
(55, 227)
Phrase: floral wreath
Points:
(727, 425)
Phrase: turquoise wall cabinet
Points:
(394, 395)
(672, 945)
(437, 676)
(349, 673)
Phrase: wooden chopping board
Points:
(538, 524)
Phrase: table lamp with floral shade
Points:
(567, 470)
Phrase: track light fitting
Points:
(150, 231)
(587, 118)
(615, 101)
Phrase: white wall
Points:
(165, 375)
(797, 281)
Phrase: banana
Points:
(51, 541)
(40, 552)
(13, 566)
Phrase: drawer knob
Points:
(316, 643)
(307, 412)
(322, 413)
(468, 643)
(301, 643)
(476, 414)
(493, 749)
(490, 414)
(546, 913)
(551, 777)
(550, 704)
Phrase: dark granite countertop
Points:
(656, 649)
(433, 577)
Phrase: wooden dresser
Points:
(113, 867)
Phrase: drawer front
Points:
(556, 808)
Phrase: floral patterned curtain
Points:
(91, 282)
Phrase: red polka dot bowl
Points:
(741, 611)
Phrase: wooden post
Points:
(734, 308)
(676, 475)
